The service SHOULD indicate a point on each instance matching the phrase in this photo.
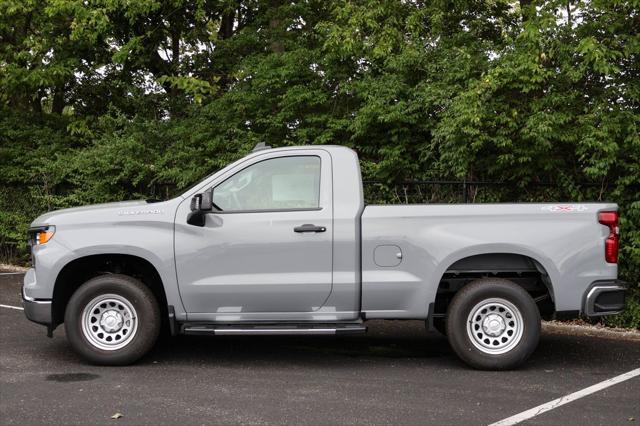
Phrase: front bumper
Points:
(605, 297)
(37, 310)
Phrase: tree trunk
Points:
(276, 29)
(276, 43)
(226, 25)
(58, 99)
(35, 103)
(175, 50)
(528, 9)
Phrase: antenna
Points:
(261, 146)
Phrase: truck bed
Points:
(407, 249)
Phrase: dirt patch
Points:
(583, 329)
(4, 267)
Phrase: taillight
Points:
(611, 244)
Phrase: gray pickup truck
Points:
(281, 242)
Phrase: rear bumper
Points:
(605, 297)
(37, 310)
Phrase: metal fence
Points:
(447, 191)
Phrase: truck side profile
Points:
(281, 242)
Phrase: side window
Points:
(274, 184)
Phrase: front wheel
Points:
(493, 324)
(112, 320)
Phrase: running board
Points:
(272, 330)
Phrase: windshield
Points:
(163, 192)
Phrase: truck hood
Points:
(122, 207)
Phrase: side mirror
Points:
(206, 202)
(201, 204)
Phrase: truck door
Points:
(269, 249)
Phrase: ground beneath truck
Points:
(396, 374)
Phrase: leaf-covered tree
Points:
(105, 100)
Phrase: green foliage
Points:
(106, 100)
(630, 318)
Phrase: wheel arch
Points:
(523, 266)
(81, 269)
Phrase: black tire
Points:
(493, 299)
(136, 297)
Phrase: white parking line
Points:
(11, 273)
(536, 411)
(17, 308)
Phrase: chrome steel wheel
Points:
(109, 322)
(495, 326)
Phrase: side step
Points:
(272, 329)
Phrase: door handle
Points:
(307, 227)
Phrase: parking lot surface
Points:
(396, 374)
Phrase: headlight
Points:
(41, 234)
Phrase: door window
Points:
(275, 184)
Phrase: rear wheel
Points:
(112, 320)
(493, 324)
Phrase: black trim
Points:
(199, 217)
(173, 326)
(196, 218)
(261, 146)
(39, 228)
(603, 309)
(430, 312)
(209, 328)
(610, 301)
(302, 209)
(308, 227)
(567, 315)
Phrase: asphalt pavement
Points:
(396, 374)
